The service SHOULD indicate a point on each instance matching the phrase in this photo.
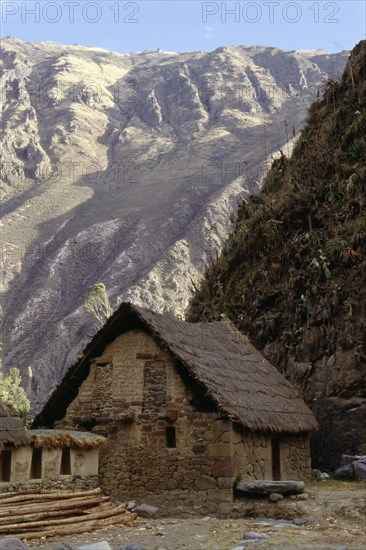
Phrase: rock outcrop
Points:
(292, 274)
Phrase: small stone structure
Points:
(187, 409)
(47, 459)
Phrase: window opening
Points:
(36, 464)
(170, 436)
(65, 469)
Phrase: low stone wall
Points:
(66, 483)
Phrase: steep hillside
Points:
(293, 273)
(124, 169)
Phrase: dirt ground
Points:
(336, 511)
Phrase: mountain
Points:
(292, 273)
(125, 169)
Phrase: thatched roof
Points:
(54, 439)
(233, 374)
(12, 431)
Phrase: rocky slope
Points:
(124, 169)
(292, 274)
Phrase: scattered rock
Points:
(131, 504)
(146, 511)
(275, 497)
(317, 474)
(348, 459)
(62, 546)
(102, 545)
(304, 496)
(302, 521)
(131, 546)
(254, 535)
(345, 472)
(359, 469)
(282, 522)
(12, 543)
(263, 487)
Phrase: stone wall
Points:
(64, 483)
(140, 399)
(253, 455)
(295, 457)
(83, 463)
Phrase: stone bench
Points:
(264, 487)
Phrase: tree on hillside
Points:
(11, 391)
(97, 303)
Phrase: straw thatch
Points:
(12, 432)
(244, 385)
(54, 439)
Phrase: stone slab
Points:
(264, 487)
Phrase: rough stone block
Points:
(359, 468)
(225, 482)
(222, 467)
(146, 511)
(275, 497)
(225, 508)
(254, 535)
(220, 495)
(205, 482)
(102, 545)
(345, 472)
(264, 487)
(131, 546)
(12, 543)
(61, 546)
(211, 507)
(301, 521)
(220, 449)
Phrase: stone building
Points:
(47, 459)
(187, 408)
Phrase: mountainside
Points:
(292, 273)
(124, 169)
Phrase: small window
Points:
(65, 469)
(36, 465)
(5, 465)
(170, 436)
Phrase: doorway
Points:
(5, 465)
(276, 459)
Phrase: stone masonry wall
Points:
(295, 457)
(133, 393)
(64, 483)
(252, 455)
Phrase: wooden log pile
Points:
(39, 515)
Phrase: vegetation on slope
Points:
(292, 274)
